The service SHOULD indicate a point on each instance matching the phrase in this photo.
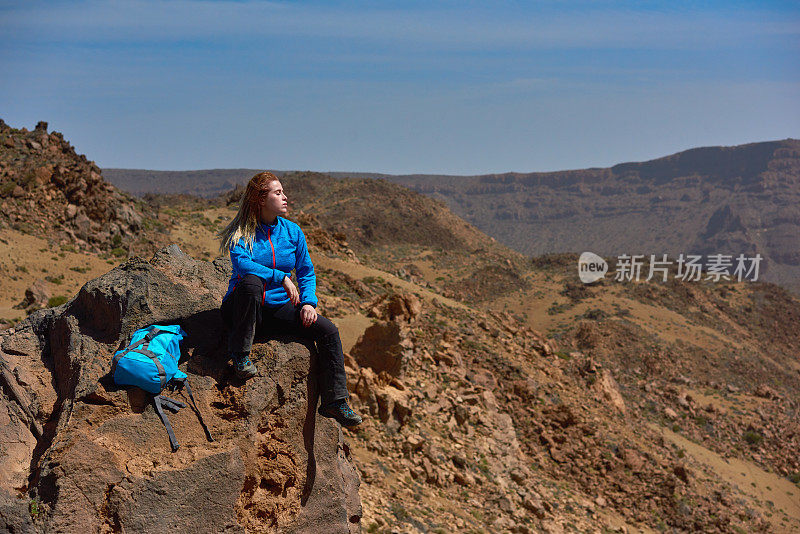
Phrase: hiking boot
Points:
(340, 411)
(243, 366)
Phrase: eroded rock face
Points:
(103, 460)
(385, 346)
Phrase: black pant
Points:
(243, 315)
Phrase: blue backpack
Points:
(150, 362)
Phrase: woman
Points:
(264, 248)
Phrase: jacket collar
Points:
(264, 227)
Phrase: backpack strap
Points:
(181, 383)
(122, 353)
(162, 374)
(171, 404)
(141, 347)
(154, 331)
(157, 403)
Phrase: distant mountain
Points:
(206, 183)
(713, 200)
(726, 200)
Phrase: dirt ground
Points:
(25, 258)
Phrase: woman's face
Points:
(273, 201)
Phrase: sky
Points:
(457, 87)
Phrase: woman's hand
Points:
(291, 290)
(308, 315)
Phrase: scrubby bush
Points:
(7, 188)
(752, 437)
(56, 301)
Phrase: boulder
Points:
(126, 214)
(16, 514)
(380, 349)
(36, 296)
(103, 459)
(17, 441)
(82, 226)
(380, 394)
(403, 307)
(609, 390)
(766, 392)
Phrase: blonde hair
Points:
(246, 221)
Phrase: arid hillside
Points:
(55, 207)
(48, 190)
(500, 393)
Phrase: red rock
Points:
(610, 391)
(463, 479)
(766, 392)
(681, 472)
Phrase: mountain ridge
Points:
(141, 181)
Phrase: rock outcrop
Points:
(79, 451)
(49, 190)
(36, 296)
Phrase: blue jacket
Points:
(277, 249)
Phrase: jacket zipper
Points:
(269, 232)
(269, 238)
